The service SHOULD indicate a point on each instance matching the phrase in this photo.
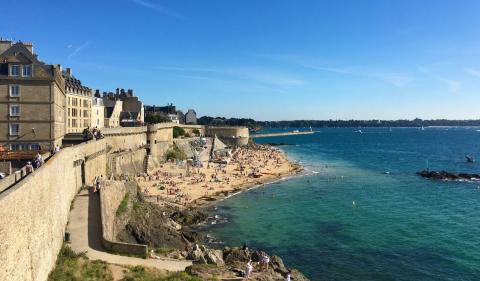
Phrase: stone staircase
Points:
(146, 163)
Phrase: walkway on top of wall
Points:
(85, 229)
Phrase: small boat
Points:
(423, 128)
(470, 159)
(359, 132)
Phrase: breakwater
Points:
(286, 134)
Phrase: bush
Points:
(178, 132)
(123, 205)
(140, 273)
(175, 154)
(196, 132)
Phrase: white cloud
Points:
(253, 74)
(79, 49)
(473, 72)
(154, 6)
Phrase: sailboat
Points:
(423, 128)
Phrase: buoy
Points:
(353, 203)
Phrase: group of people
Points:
(97, 183)
(95, 133)
(37, 162)
(263, 266)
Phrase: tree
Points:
(178, 132)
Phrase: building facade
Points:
(79, 103)
(191, 117)
(32, 100)
(97, 118)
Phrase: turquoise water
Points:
(401, 227)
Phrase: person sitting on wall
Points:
(29, 167)
(38, 160)
(87, 135)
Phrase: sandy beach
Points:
(197, 186)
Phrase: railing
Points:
(10, 155)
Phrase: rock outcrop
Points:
(444, 175)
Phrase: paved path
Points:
(85, 234)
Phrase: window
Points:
(34, 146)
(14, 129)
(14, 90)
(74, 122)
(15, 146)
(74, 112)
(14, 70)
(14, 110)
(85, 113)
(27, 71)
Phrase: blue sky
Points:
(269, 60)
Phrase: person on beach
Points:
(248, 269)
(288, 275)
(264, 262)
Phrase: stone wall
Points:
(122, 139)
(111, 195)
(229, 135)
(35, 211)
(128, 162)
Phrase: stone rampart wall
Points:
(34, 212)
(229, 135)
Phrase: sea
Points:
(360, 212)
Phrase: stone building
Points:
(32, 99)
(123, 109)
(191, 117)
(79, 103)
(97, 117)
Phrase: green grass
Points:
(139, 273)
(123, 205)
(76, 267)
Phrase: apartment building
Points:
(79, 103)
(32, 99)
(97, 118)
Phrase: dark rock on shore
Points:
(444, 175)
(278, 143)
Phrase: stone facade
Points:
(32, 100)
(79, 103)
(191, 117)
(97, 119)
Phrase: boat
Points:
(359, 132)
(470, 159)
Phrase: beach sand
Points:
(195, 187)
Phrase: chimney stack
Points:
(69, 71)
(5, 45)
(130, 92)
(29, 46)
(118, 91)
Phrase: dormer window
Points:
(27, 71)
(14, 70)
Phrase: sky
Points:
(267, 59)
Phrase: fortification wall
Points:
(229, 135)
(111, 195)
(130, 162)
(35, 211)
(122, 139)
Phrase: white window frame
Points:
(10, 129)
(13, 106)
(10, 90)
(10, 70)
(23, 70)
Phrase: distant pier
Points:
(286, 134)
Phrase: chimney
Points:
(29, 46)
(130, 92)
(4, 45)
(122, 91)
(69, 71)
